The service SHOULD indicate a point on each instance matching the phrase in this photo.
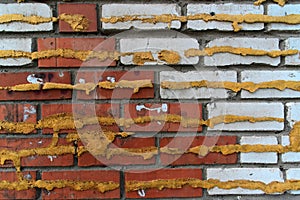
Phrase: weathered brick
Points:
(87, 159)
(118, 93)
(270, 157)
(225, 8)
(293, 115)
(27, 9)
(265, 76)
(265, 175)
(87, 10)
(133, 111)
(253, 109)
(12, 79)
(276, 10)
(80, 175)
(154, 45)
(18, 112)
(112, 10)
(184, 143)
(225, 59)
(13, 177)
(18, 144)
(187, 110)
(82, 110)
(292, 43)
(46, 44)
(20, 44)
(95, 44)
(154, 174)
(290, 156)
(196, 93)
(293, 173)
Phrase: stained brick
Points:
(87, 159)
(17, 144)
(112, 10)
(88, 10)
(265, 175)
(196, 93)
(184, 143)
(118, 93)
(226, 59)
(154, 174)
(133, 111)
(154, 45)
(276, 10)
(94, 44)
(252, 109)
(17, 44)
(12, 79)
(259, 76)
(186, 110)
(18, 112)
(224, 8)
(82, 110)
(14, 194)
(80, 175)
(27, 9)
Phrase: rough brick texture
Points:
(229, 8)
(186, 191)
(225, 59)
(111, 10)
(265, 175)
(27, 9)
(149, 100)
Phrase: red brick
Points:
(12, 79)
(17, 113)
(46, 44)
(14, 194)
(185, 191)
(184, 143)
(88, 159)
(88, 10)
(85, 110)
(187, 110)
(17, 144)
(117, 93)
(95, 44)
(131, 112)
(91, 175)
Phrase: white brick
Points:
(224, 59)
(265, 175)
(196, 93)
(228, 8)
(276, 10)
(265, 76)
(22, 44)
(157, 44)
(290, 156)
(253, 109)
(293, 174)
(145, 10)
(293, 113)
(270, 157)
(292, 43)
(26, 9)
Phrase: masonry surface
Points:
(149, 100)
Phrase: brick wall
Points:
(149, 100)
